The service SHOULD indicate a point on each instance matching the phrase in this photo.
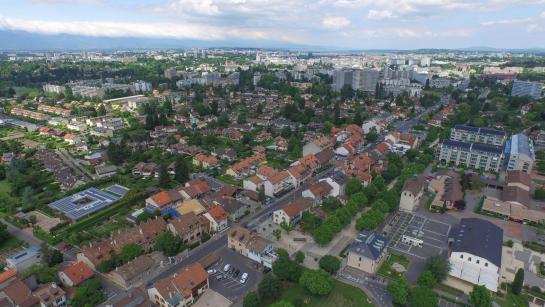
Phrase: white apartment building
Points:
(473, 155)
(521, 155)
(470, 134)
(52, 88)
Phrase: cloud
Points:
(542, 14)
(335, 23)
(144, 30)
(507, 22)
(379, 15)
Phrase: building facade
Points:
(472, 155)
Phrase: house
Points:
(293, 212)
(253, 183)
(75, 273)
(194, 188)
(144, 235)
(338, 182)
(448, 190)
(299, 174)
(71, 138)
(17, 294)
(367, 252)
(228, 154)
(164, 201)
(251, 245)
(318, 192)
(325, 157)
(205, 161)
(25, 259)
(189, 227)
(131, 273)
(50, 295)
(145, 169)
(277, 184)
(280, 143)
(234, 208)
(218, 218)
(246, 167)
(180, 289)
(476, 252)
(412, 193)
(190, 206)
(135, 297)
(105, 171)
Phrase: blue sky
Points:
(400, 24)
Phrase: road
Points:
(73, 164)
(22, 235)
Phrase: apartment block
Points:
(470, 134)
(472, 155)
(520, 153)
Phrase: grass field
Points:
(386, 268)
(342, 295)
(511, 300)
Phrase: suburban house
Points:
(181, 289)
(218, 218)
(189, 227)
(277, 184)
(205, 161)
(318, 192)
(194, 188)
(293, 212)
(131, 273)
(246, 167)
(164, 201)
(190, 206)
(475, 253)
(251, 245)
(367, 252)
(24, 259)
(75, 273)
(412, 193)
(50, 295)
(145, 170)
(448, 190)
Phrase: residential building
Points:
(527, 89)
(293, 212)
(218, 218)
(317, 145)
(448, 191)
(205, 161)
(470, 134)
(476, 251)
(181, 289)
(17, 294)
(25, 259)
(367, 252)
(135, 297)
(164, 201)
(54, 110)
(251, 245)
(52, 88)
(132, 273)
(412, 193)
(189, 227)
(50, 295)
(277, 184)
(318, 192)
(520, 154)
(75, 273)
(472, 155)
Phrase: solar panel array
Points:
(117, 190)
(95, 200)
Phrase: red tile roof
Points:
(78, 272)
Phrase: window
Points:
(469, 259)
(478, 261)
(486, 264)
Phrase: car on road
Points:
(212, 272)
(226, 267)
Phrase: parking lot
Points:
(228, 283)
(429, 236)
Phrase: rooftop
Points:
(480, 238)
(369, 244)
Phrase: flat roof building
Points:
(527, 89)
(84, 203)
(473, 155)
(520, 154)
(470, 134)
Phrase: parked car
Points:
(243, 278)
(212, 272)
(226, 267)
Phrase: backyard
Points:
(342, 295)
(386, 268)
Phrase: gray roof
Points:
(84, 203)
(519, 144)
(479, 130)
(369, 245)
(480, 238)
(472, 146)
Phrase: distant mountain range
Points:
(26, 41)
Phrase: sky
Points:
(346, 24)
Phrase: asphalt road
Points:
(22, 235)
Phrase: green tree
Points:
(181, 171)
(370, 220)
(131, 251)
(438, 266)
(28, 199)
(4, 234)
(299, 257)
(426, 279)
(50, 256)
(269, 287)
(251, 300)
(480, 297)
(423, 297)
(168, 243)
(353, 186)
(282, 304)
(330, 264)
(317, 282)
(164, 178)
(277, 233)
(101, 111)
(285, 268)
(399, 290)
(88, 294)
(516, 287)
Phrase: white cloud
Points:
(542, 14)
(507, 21)
(335, 23)
(155, 30)
(380, 15)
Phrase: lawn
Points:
(342, 295)
(511, 300)
(230, 180)
(386, 268)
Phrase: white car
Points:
(243, 278)
(211, 272)
(226, 267)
